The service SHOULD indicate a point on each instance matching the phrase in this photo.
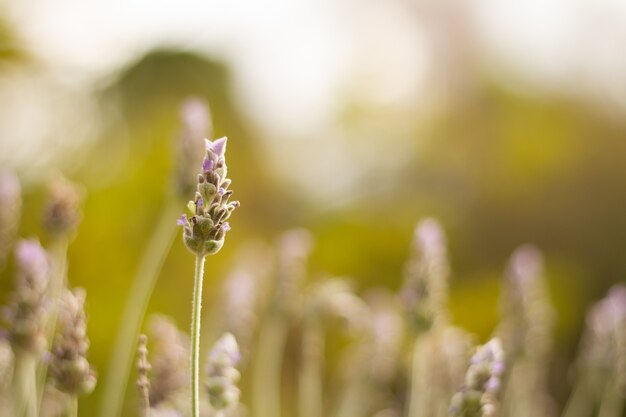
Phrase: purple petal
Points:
(221, 191)
(226, 227)
(182, 221)
(207, 165)
(199, 204)
(218, 146)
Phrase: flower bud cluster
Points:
(69, 370)
(479, 395)
(27, 313)
(222, 377)
(204, 232)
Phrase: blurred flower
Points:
(70, 371)
(222, 376)
(62, 210)
(294, 247)
(27, 313)
(478, 397)
(425, 289)
(196, 125)
(170, 360)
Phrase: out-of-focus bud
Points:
(222, 376)
(62, 213)
(10, 212)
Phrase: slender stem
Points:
(415, 386)
(266, 384)
(310, 385)
(579, 403)
(134, 311)
(195, 336)
(72, 406)
(612, 403)
(25, 396)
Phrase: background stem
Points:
(310, 385)
(134, 311)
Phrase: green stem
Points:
(612, 403)
(24, 380)
(134, 311)
(195, 336)
(579, 403)
(72, 406)
(266, 384)
(310, 385)
(415, 386)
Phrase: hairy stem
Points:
(266, 384)
(134, 311)
(310, 385)
(195, 336)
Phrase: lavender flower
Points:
(222, 376)
(294, 247)
(196, 125)
(62, 211)
(425, 290)
(10, 206)
(27, 312)
(70, 371)
(170, 360)
(204, 232)
(333, 298)
(478, 397)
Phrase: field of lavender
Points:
(279, 340)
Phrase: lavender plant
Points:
(204, 235)
(70, 372)
(222, 375)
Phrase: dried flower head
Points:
(69, 370)
(204, 232)
(62, 214)
(478, 397)
(10, 210)
(170, 359)
(196, 125)
(27, 313)
(222, 376)
(425, 290)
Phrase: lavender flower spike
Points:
(70, 371)
(204, 232)
(27, 312)
(62, 211)
(222, 376)
(478, 397)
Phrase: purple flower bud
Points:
(182, 221)
(226, 226)
(207, 165)
(221, 191)
(199, 205)
(217, 146)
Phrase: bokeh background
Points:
(353, 118)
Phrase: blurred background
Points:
(354, 119)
